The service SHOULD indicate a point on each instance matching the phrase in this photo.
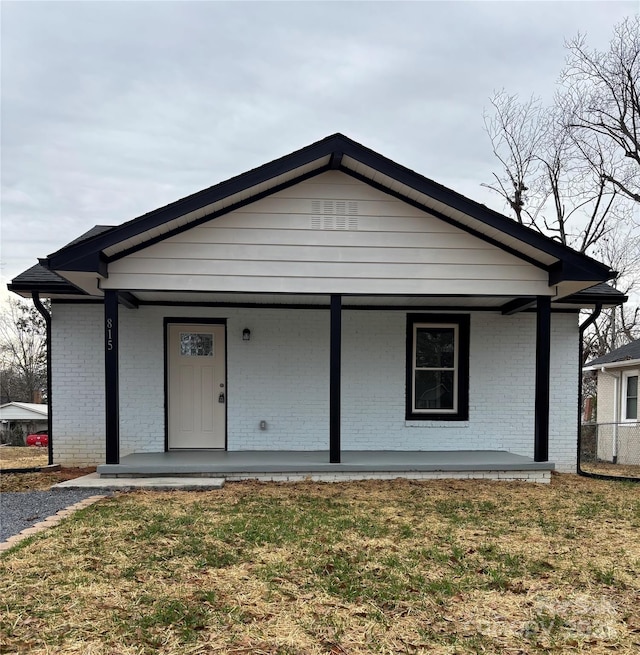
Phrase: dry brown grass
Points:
(351, 568)
(614, 470)
(40, 481)
(14, 457)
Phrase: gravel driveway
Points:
(22, 509)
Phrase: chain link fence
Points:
(611, 449)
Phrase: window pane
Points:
(435, 347)
(193, 344)
(434, 390)
(632, 397)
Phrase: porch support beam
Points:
(334, 379)
(111, 376)
(517, 305)
(543, 364)
(128, 300)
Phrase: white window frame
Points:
(623, 396)
(455, 368)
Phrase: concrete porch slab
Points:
(237, 464)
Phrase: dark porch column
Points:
(111, 377)
(334, 379)
(47, 320)
(543, 358)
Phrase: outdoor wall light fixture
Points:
(246, 334)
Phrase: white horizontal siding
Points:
(320, 253)
(319, 269)
(376, 245)
(216, 233)
(263, 284)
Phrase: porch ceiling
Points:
(162, 297)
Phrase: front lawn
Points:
(16, 457)
(349, 568)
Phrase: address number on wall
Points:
(109, 334)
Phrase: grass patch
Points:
(367, 567)
(615, 470)
(17, 457)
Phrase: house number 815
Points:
(109, 334)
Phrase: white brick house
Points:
(330, 300)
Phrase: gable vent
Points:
(334, 215)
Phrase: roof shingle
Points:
(629, 351)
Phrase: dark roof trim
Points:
(45, 289)
(566, 271)
(86, 254)
(95, 231)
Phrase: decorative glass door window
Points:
(195, 344)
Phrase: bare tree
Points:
(620, 325)
(601, 100)
(572, 170)
(544, 179)
(23, 354)
(516, 131)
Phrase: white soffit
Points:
(567, 288)
(458, 216)
(215, 206)
(88, 281)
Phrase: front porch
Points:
(315, 465)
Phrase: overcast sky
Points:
(112, 109)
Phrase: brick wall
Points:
(565, 374)
(281, 377)
(501, 387)
(77, 350)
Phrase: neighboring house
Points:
(618, 404)
(331, 300)
(29, 417)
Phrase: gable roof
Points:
(75, 269)
(16, 411)
(627, 353)
(337, 152)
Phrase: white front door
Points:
(196, 385)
